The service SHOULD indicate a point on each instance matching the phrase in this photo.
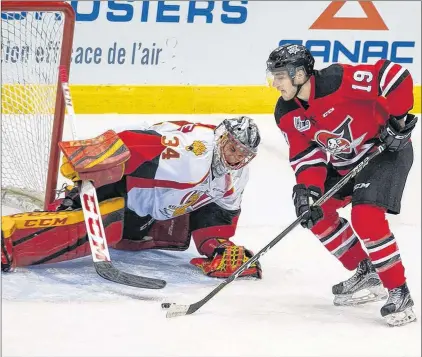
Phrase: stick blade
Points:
(175, 310)
(109, 272)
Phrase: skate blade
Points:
(372, 294)
(400, 318)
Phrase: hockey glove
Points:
(71, 201)
(303, 198)
(394, 135)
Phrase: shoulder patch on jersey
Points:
(197, 147)
(283, 107)
(328, 80)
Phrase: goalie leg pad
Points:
(100, 160)
(51, 237)
(7, 261)
(226, 261)
(144, 233)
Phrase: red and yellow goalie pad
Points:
(50, 237)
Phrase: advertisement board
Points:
(228, 42)
(195, 52)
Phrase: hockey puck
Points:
(165, 305)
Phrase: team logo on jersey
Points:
(340, 141)
(197, 147)
(185, 205)
(334, 143)
(302, 125)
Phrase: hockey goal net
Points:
(36, 38)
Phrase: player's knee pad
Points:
(369, 221)
(50, 237)
(172, 234)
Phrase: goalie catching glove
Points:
(100, 160)
(225, 260)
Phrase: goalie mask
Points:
(237, 143)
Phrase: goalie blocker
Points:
(112, 162)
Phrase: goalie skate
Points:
(364, 286)
(398, 311)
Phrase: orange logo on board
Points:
(328, 21)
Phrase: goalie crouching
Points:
(157, 187)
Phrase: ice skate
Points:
(398, 311)
(364, 286)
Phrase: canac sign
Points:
(359, 50)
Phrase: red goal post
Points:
(25, 39)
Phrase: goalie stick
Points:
(174, 310)
(94, 223)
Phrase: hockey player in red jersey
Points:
(332, 119)
(158, 187)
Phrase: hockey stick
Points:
(174, 310)
(94, 223)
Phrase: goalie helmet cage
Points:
(37, 37)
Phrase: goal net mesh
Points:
(30, 53)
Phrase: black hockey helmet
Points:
(290, 57)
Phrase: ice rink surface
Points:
(66, 309)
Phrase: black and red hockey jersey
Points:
(347, 107)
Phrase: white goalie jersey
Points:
(169, 173)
